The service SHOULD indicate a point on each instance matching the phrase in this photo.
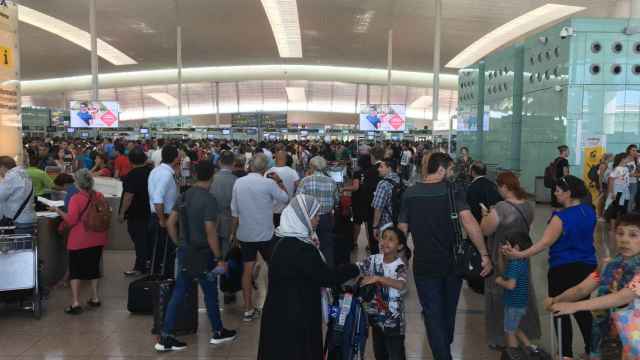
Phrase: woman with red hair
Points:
(514, 214)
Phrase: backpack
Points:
(592, 175)
(550, 175)
(98, 211)
(396, 199)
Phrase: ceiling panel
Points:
(229, 32)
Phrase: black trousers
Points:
(163, 264)
(140, 233)
(562, 278)
(387, 347)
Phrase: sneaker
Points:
(250, 315)
(223, 337)
(132, 273)
(169, 343)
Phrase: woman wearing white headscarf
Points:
(292, 316)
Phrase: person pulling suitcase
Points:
(199, 258)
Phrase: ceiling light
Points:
(296, 94)
(362, 22)
(73, 34)
(285, 24)
(164, 98)
(512, 31)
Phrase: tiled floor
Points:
(112, 333)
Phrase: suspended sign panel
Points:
(381, 117)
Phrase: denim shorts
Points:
(512, 317)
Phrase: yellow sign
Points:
(6, 57)
(593, 152)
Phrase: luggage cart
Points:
(19, 268)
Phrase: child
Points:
(515, 281)
(388, 272)
(617, 285)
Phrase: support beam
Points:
(179, 56)
(389, 64)
(436, 68)
(94, 50)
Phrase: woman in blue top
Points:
(572, 255)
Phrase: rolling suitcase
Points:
(140, 299)
(187, 311)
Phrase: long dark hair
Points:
(573, 184)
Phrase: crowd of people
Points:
(279, 200)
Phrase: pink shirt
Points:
(79, 236)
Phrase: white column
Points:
(436, 66)
(179, 57)
(389, 64)
(626, 9)
(217, 104)
(94, 50)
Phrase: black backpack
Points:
(396, 199)
(550, 174)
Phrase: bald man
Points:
(289, 177)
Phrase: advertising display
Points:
(94, 114)
(383, 118)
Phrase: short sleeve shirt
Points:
(136, 183)
(561, 163)
(517, 270)
(200, 206)
(425, 209)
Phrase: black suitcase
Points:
(140, 295)
(187, 312)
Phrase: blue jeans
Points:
(439, 300)
(184, 281)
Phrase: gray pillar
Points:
(389, 64)
(436, 67)
(94, 50)
(179, 57)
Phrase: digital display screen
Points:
(71, 130)
(210, 136)
(144, 131)
(226, 131)
(94, 114)
(84, 135)
(383, 117)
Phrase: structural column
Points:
(179, 57)
(94, 50)
(436, 67)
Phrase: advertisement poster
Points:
(594, 148)
(10, 125)
(94, 114)
(383, 118)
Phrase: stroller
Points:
(348, 328)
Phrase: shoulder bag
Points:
(10, 223)
(467, 259)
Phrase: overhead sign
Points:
(169, 122)
(274, 121)
(36, 117)
(245, 120)
(262, 120)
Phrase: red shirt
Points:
(79, 236)
(122, 166)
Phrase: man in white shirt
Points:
(163, 193)
(290, 179)
(252, 210)
(405, 162)
(16, 189)
(156, 156)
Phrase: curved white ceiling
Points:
(239, 73)
(73, 34)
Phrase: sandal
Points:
(93, 303)
(73, 310)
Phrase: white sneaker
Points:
(250, 315)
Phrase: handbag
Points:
(467, 259)
(10, 223)
(626, 322)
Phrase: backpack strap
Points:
(454, 215)
(24, 204)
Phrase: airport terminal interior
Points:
(99, 99)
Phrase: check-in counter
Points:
(52, 251)
(118, 236)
